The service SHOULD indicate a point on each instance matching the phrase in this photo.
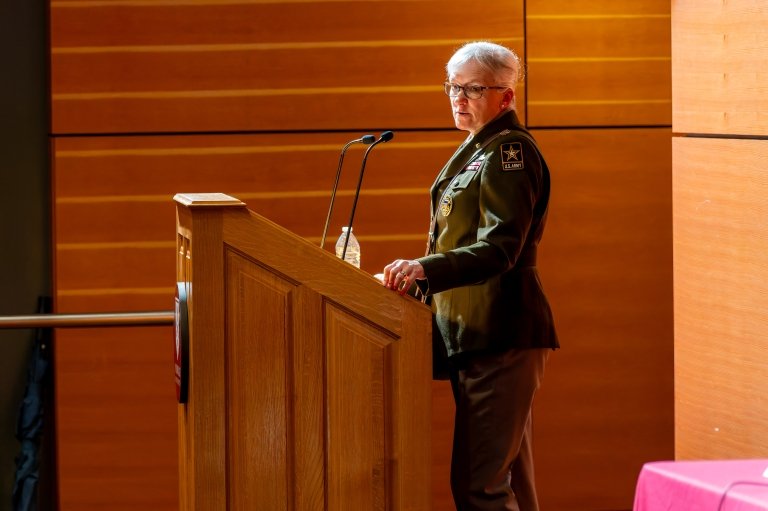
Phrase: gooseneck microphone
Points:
(367, 139)
(385, 137)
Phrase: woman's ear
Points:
(508, 98)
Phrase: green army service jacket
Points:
(489, 208)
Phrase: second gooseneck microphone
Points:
(385, 137)
(366, 139)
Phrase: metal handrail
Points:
(86, 320)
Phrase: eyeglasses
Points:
(470, 91)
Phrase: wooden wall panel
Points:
(721, 302)
(720, 63)
(192, 66)
(598, 63)
(720, 162)
(152, 69)
(113, 198)
(116, 419)
(608, 209)
(115, 251)
(605, 407)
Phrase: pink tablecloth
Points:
(732, 485)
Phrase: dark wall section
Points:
(24, 204)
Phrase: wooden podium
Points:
(309, 382)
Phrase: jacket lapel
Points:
(464, 154)
(457, 162)
(470, 148)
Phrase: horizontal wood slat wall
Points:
(114, 204)
(608, 211)
(115, 419)
(192, 66)
(114, 250)
(720, 68)
(598, 63)
(133, 81)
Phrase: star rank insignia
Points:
(511, 156)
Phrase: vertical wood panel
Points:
(719, 87)
(721, 312)
(606, 405)
(720, 62)
(308, 401)
(359, 369)
(205, 410)
(259, 404)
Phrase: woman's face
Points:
(472, 114)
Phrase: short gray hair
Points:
(502, 62)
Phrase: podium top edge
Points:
(193, 200)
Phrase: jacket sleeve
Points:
(506, 204)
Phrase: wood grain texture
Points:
(115, 419)
(364, 429)
(721, 242)
(229, 66)
(358, 367)
(720, 79)
(260, 408)
(145, 68)
(308, 397)
(610, 220)
(606, 405)
(598, 63)
(203, 417)
(113, 204)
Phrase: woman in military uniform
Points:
(493, 328)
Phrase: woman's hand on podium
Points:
(401, 273)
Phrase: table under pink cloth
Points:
(729, 485)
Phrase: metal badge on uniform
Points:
(512, 156)
(446, 205)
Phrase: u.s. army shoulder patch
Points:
(511, 156)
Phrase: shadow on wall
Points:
(24, 206)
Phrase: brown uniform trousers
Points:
(492, 462)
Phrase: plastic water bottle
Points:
(353, 247)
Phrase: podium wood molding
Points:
(196, 200)
(309, 383)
